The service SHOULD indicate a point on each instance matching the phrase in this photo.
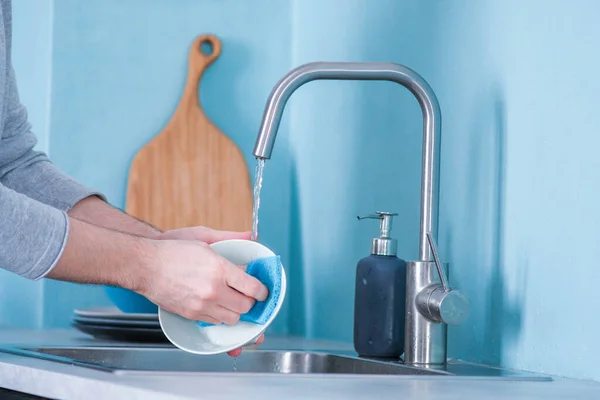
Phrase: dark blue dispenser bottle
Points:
(380, 296)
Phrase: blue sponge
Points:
(268, 271)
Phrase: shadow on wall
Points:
(296, 289)
(504, 317)
(496, 312)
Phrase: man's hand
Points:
(190, 279)
(237, 352)
(208, 236)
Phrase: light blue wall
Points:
(520, 189)
(518, 88)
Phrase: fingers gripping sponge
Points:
(268, 271)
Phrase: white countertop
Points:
(62, 381)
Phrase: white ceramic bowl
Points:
(187, 335)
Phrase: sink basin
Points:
(168, 360)
(255, 361)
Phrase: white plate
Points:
(187, 335)
(114, 313)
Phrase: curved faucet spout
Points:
(377, 72)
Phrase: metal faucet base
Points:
(425, 340)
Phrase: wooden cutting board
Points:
(191, 173)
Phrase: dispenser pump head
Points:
(383, 245)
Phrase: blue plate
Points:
(129, 301)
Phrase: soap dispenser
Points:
(380, 296)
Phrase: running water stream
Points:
(258, 175)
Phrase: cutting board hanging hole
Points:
(206, 47)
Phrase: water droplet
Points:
(370, 341)
(364, 281)
(235, 364)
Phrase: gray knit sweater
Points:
(34, 194)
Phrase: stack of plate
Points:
(110, 323)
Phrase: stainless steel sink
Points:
(253, 361)
(136, 360)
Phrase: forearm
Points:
(100, 256)
(96, 212)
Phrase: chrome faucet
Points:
(430, 303)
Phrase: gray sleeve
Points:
(32, 234)
(28, 171)
(34, 197)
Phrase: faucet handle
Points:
(438, 264)
(440, 303)
(450, 307)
